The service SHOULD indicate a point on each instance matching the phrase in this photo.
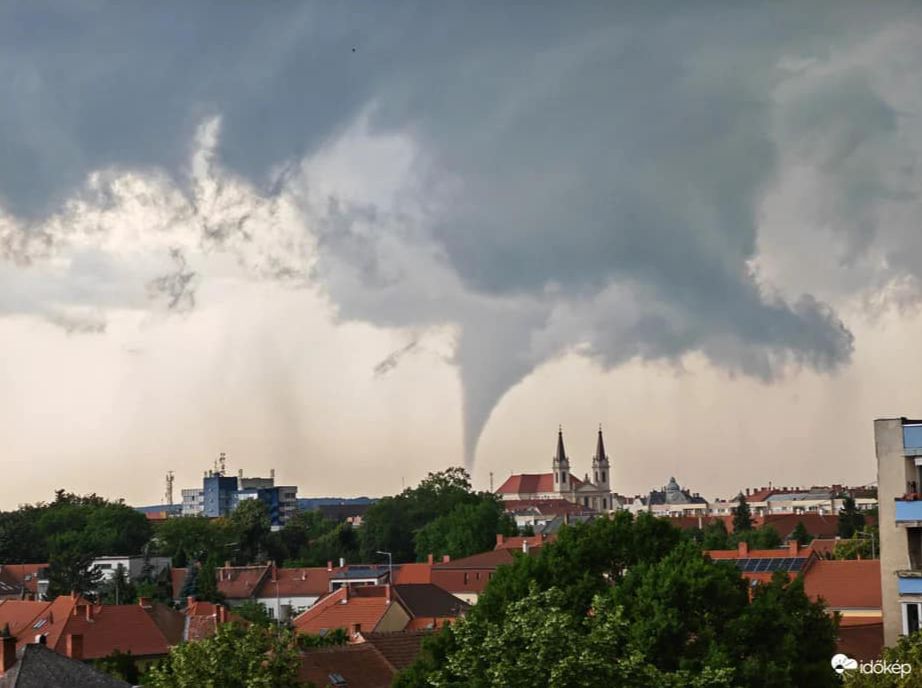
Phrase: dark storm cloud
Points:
(606, 160)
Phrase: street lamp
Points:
(390, 566)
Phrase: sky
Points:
(358, 242)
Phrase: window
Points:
(555, 478)
(911, 617)
(603, 476)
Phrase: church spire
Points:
(561, 466)
(561, 452)
(600, 455)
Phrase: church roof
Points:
(533, 483)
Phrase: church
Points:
(560, 483)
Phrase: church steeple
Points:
(600, 463)
(561, 465)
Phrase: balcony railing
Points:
(909, 510)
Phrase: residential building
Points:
(371, 662)
(759, 565)
(23, 581)
(898, 443)
(365, 608)
(220, 494)
(34, 665)
(133, 565)
(146, 630)
(560, 483)
(823, 500)
(467, 578)
(202, 619)
(538, 513)
(849, 587)
(672, 500)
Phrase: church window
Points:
(603, 476)
(555, 477)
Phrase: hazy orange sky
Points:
(359, 244)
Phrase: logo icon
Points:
(841, 663)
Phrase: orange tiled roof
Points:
(484, 560)
(845, 584)
(22, 576)
(364, 605)
(128, 628)
(360, 666)
(413, 573)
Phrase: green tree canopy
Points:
(742, 515)
(850, 519)
(630, 601)
(235, 657)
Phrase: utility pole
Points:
(491, 481)
(390, 566)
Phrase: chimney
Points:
(747, 491)
(525, 545)
(500, 539)
(743, 549)
(75, 646)
(793, 548)
(89, 612)
(329, 565)
(387, 593)
(446, 558)
(190, 600)
(144, 602)
(342, 562)
(7, 651)
(430, 559)
(221, 611)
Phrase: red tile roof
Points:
(344, 608)
(485, 560)
(21, 576)
(360, 666)
(845, 584)
(527, 483)
(863, 642)
(400, 649)
(413, 573)
(546, 507)
(105, 628)
(517, 541)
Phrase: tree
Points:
(235, 657)
(192, 538)
(70, 567)
(251, 525)
(120, 665)
(254, 612)
(742, 515)
(907, 653)
(850, 519)
(189, 584)
(467, 529)
(765, 537)
(392, 523)
(627, 601)
(800, 534)
(864, 544)
(118, 589)
(207, 582)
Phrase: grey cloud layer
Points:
(590, 176)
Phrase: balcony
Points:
(910, 582)
(912, 440)
(909, 512)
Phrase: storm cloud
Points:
(545, 180)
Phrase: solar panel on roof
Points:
(764, 565)
(797, 564)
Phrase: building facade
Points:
(898, 444)
(220, 494)
(589, 492)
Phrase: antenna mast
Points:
(169, 488)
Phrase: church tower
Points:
(561, 466)
(601, 468)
